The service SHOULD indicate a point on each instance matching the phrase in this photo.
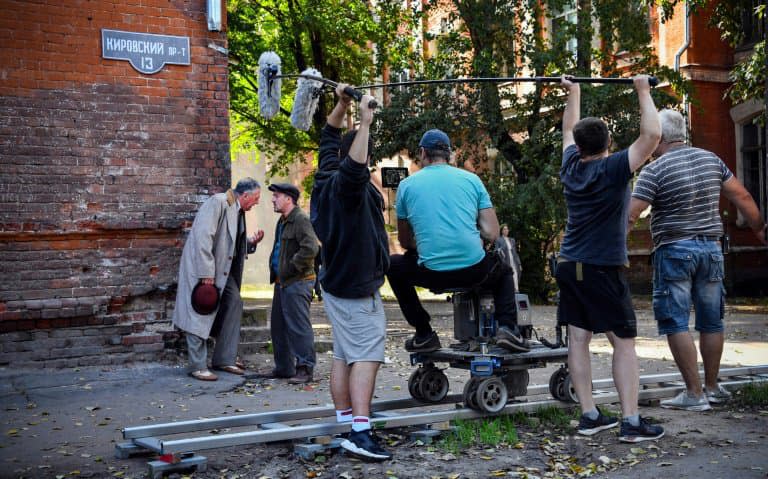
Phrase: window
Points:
(400, 77)
(560, 22)
(753, 166)
(753, 27)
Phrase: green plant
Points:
(483, 432)
(556, 416)
(753, 394)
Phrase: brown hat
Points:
(287, 189)
(205, 298)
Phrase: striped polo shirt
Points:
(683, 187)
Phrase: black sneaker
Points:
(365, 446)
(644, 432)
(418, 344)
(511, 341)
(588, 427)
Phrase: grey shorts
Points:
(359, 327)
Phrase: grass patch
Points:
(491, 432)
(752, 395)
(501, 430)
(555, 416)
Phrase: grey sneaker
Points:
(718, 396)
(687, 403)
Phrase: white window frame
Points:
(568, 15)
(742, 115)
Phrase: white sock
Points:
(344, 415)
(361, 423)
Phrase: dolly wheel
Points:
(491, 394)
(569, 393)
(556, 383)
(433, 385)
(470, 390)
(414, 383)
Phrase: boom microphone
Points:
(306, 100)
(269, 84)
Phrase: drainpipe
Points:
(679, 54)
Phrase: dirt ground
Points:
(70, 429)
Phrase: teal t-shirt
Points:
(441, 203)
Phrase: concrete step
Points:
(322, 345)
(249, 334)
(255, 315)
(256, 339)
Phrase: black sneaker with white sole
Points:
(423, 344)
(512, 340)
(588, 427)
(645, 431)
(365, 446)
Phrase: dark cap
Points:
(435, 140)
(205, 298)
(287, 189)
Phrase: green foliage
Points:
(752, 395)
(525, 130)
(556, 416)
(333, 36)
(492, 432)
(489, 38)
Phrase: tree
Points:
(523, 126)
(332, 36)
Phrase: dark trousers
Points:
(491, 273)
(293, 340)
(226, 330)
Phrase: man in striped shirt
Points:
(683, 187)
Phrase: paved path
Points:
(58, 422)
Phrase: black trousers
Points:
(491, 273)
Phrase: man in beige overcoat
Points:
(215, 253)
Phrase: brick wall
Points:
(101, 169)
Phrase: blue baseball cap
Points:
(435, 140)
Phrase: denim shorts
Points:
(688, 272)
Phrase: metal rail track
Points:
(320, 421)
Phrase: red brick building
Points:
(102, 166)
(695, 48)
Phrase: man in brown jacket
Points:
(291, 269)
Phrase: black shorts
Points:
(599, 301)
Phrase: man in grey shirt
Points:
(683, 187)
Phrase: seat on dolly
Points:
(496, 374)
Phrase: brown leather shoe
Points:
(303, 375)
(271, 374)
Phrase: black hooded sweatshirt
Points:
(346, 211)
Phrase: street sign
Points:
(146, 52)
